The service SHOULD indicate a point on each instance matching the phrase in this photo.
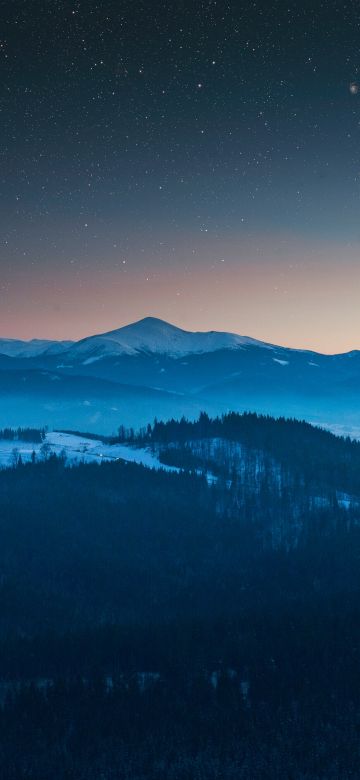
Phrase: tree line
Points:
(32, 435)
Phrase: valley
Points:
(153, 369)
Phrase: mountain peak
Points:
(150, 321)
(156, 336)
(150, 335)
(147, 324)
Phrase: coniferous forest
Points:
(203, 623)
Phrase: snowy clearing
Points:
(81, 449)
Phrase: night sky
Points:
(196, 161)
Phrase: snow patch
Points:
(91, 360)
(81, 449)
(281, 362)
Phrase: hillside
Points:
(213, 371)
(144, 607)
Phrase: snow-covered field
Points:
(79, 448)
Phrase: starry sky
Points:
(195, 161)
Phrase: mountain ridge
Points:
(149, 334)
(210, 371)
(156, 336)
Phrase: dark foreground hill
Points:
(201, 624)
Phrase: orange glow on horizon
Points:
(310, 302)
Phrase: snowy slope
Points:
(80, 449)
(155, 336)
(33, 348)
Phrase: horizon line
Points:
(155, 318)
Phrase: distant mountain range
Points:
(150, 335)
(33, 348)
(151, 368)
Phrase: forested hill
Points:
(116, 541)
(310, 450)
(168, 625)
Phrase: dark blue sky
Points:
(197, 161)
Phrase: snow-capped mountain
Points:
(154, 336)
(29, 349)
(149, 335)
(178, 373)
